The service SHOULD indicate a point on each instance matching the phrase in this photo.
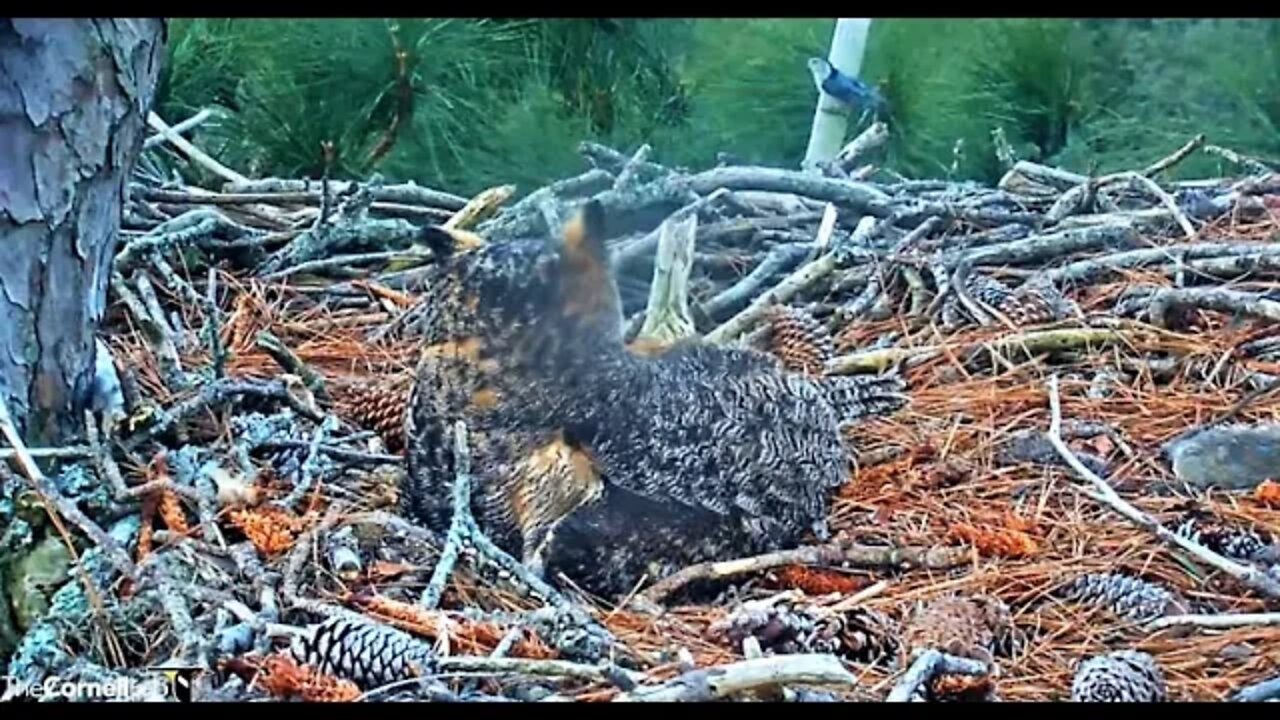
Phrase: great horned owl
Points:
(597, 462)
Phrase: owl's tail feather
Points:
(858, 397)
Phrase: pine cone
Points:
(1232, 542)
(257, 429)
(564, 632)
(369, 655)
(1131, 598)
(802, 343)
(984, 289)
(781, 627)
(1035, 302)
(988, 290)
(973, 627)
(1124, 676)
(378, 407)
(868, 636)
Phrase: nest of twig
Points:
(268, 502)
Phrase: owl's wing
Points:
(858, 397)
(718, 435)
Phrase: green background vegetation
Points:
(466, 104)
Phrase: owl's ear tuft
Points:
(587, 281)
(584, 235)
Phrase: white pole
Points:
(831, 119)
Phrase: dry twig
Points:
(1105, 494)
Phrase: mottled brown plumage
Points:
(602, 463)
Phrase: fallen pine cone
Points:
(982, 288)
(1131, 598)
(802, 343)
(1233, 542)
(366, 653)
(1032, 303)
(972, 627)
(785, 625)
(1123, 676)
(781, 626)
(379, 407)
(868, 636)
(284, 462)
(1036, 302)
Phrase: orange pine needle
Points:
(419, 620)
(168, 506)
(1013, 521)
(280, 676)
(382, 291)
(1010, 543)
(272, 530)
(147, 531)
(1268, 493)
(170, 510)
(818, 581)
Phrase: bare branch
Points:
(1105, 494)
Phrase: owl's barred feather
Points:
(604, 464)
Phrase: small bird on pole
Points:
(848, 91)
(831, 115)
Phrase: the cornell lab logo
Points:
(180, 681)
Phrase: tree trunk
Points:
(74, 97)
(831, 119)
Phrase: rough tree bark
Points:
(74, 96)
